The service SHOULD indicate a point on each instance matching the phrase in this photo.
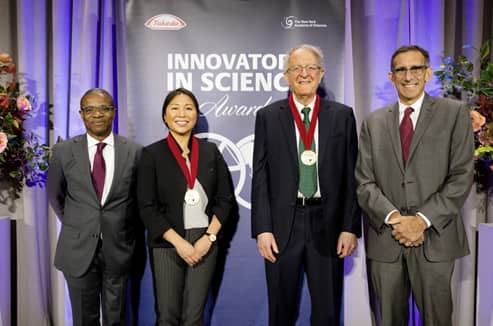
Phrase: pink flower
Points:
(23, 104)
(10, 68)
(3, 141)
(5, 58)
(477, 119)
(4, 101)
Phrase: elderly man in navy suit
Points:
(91, 182)
(305, 216)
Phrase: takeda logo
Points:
(165, 22)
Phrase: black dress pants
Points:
(324, 275)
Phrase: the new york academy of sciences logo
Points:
(291, 22)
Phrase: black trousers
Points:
(324, 276)
(93, 289)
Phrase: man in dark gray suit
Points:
(414, 172)
(91, 189)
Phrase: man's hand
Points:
(419, 242)
(346, 244)
(267, 246)
(408, 230)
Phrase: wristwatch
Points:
(212, 237)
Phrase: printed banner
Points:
(230, 54)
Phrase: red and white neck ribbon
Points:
(306, 136)
(190, 174)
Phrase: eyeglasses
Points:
(90, 110)
(311, 69)
(416, 71)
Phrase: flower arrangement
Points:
(460, 80)
(23, 160)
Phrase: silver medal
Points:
(192, 197)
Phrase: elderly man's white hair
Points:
(312, 48)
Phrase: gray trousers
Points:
(428, 281)
(180, 290)
(96, 290)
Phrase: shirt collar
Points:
(110, 140)
(300, 106)
(416, 105)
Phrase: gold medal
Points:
(308, 157)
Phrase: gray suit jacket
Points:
(435, 182)
(74, 200)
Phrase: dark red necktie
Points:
(99, 170)
(406, 130)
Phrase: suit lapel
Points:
(325, 120)
(81, 155)
(424, 119)
(392, 121)
(121, 155)
(287, 125)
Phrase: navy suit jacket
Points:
(276, 178)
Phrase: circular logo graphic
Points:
(239, 158)
(288, 22)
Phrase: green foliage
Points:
(460, 80)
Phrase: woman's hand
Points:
(187, 252)
(202, 246)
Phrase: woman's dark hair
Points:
(174, 93)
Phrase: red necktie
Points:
(406, 130)
(99, 171)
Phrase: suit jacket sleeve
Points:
(57, 184)
(223, 199)
(261, 211)
(446, 203)
(352, 213)
(370, 197)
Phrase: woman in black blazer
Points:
(185, 195)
